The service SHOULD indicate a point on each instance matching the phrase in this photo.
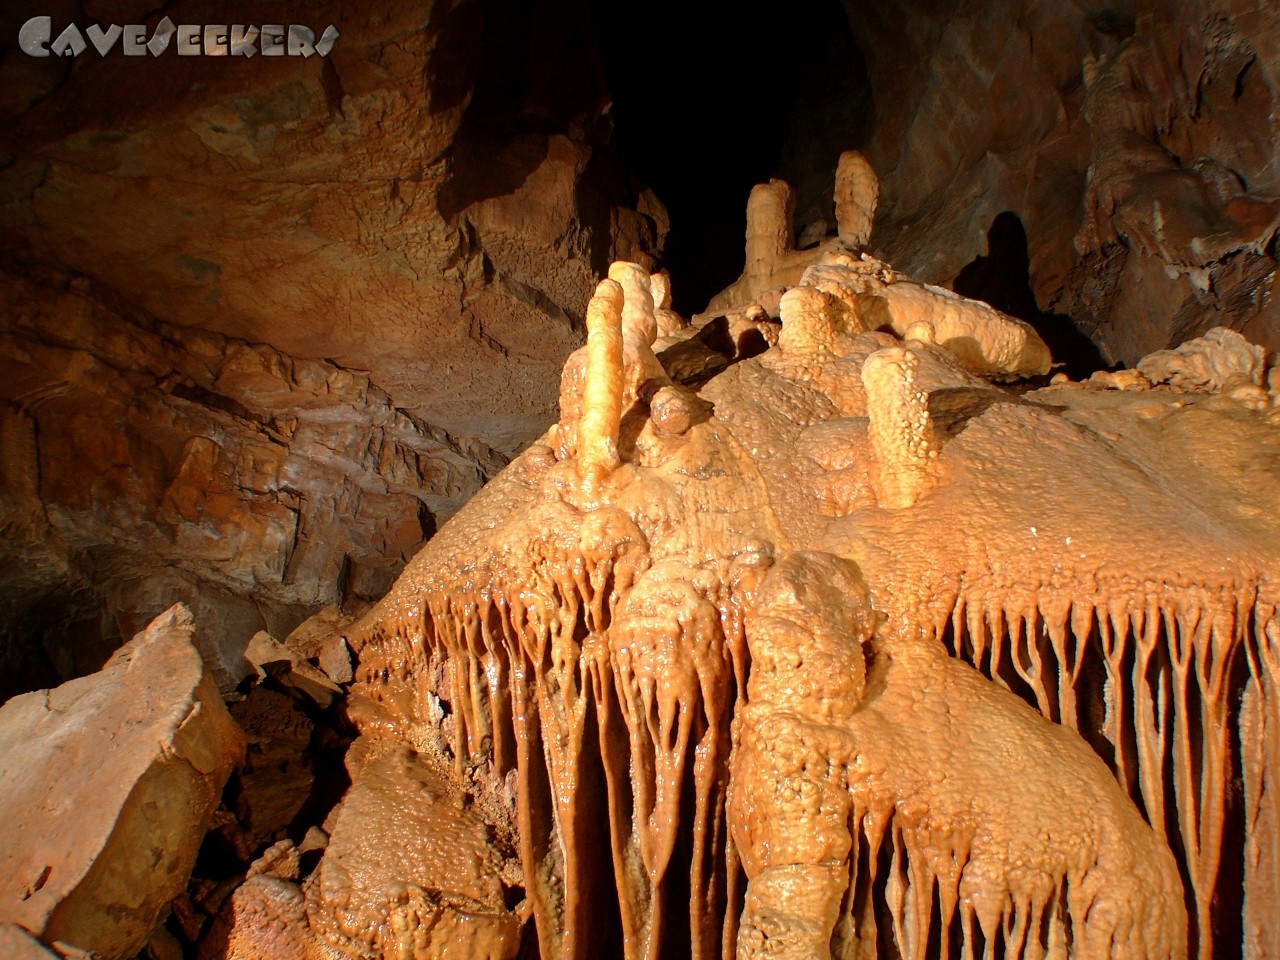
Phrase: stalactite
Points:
(901, 430)
(1171, 662)
(542, 657)
(1260, 741)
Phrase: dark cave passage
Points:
(1002, 278)
(707, 106)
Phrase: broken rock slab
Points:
(268, 655)
(319, 639)
(106, 787)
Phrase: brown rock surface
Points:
(267, 321)
(343, 167)
(321, 640)
(265, 919)
(265, 327)
(412, 869)
(277, 776)
(108, 783)
(15, 942)
(1131, 141)
(180, 466)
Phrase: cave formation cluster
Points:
(852, 616)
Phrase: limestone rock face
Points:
(267, 322)
(106, 786)
(172, 465)
(1132, 142)
(333, 208)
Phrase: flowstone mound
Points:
(813, 641)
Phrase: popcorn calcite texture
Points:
(403, 840)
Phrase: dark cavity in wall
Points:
(50, 636)
(712, 98)
(1002, 278)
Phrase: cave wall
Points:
(1135, 141)
(267, 322)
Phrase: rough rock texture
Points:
(991, 713)
(277, 776)
(406, 843)
(170, 465)
(934, 791)
(267, 324)
(1133, 143)
(108, 784)
(412, 869)
(264, 919)
(318, 302)
(267, 321)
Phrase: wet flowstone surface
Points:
(872, 656)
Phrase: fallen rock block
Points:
(264, 651)
(319, 639)
(106, 787)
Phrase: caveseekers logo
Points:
(191, 40)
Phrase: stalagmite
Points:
(771, 260)
(858, 292)
(901, 432)
(769, 211)
(809, 319)
(668, 321)
(857, 192)
(602, 386)
(638, 305)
